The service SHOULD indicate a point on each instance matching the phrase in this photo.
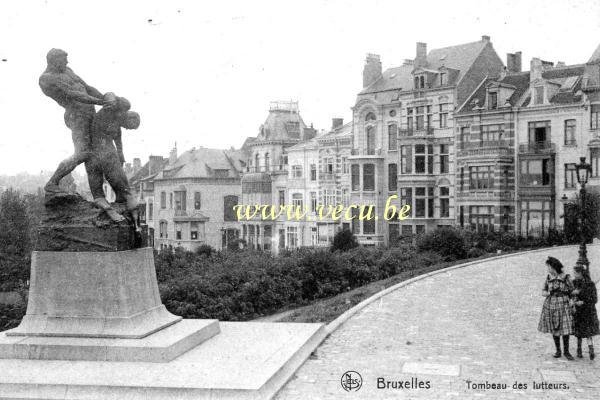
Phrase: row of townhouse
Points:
(454, 133)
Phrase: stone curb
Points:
(339, 321)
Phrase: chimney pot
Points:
(336, 122)
(372, 69)
(485, 38)
(421, 56)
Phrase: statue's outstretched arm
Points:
(70, 92)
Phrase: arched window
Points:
(267, 162)
(371, 140)
(370, 117)
(257, 162)
(416, 82)
(422, 78)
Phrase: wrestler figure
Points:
(106, 158)
(78, 98)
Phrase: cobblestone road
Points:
(477, 323)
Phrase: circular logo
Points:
(351, 381)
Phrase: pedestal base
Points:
(162, 346)
(247, 360)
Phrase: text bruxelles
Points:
(335, 213)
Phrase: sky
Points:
(203, 73)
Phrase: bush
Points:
(448, 242)
(475, 252)
(344, 240)
(204, 250)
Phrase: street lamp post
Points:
(583, 174)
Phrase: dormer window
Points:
(420, 82)
(538, 93)
(492, 100)
(443, 78)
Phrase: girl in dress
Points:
(586, 317)
(557, 317)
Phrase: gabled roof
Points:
(143, 173)
(519, 81)
(339, 132)
(460, 58)
(202, 163)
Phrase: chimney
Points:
(485, 38)
(372, 70)
(336, 122)
(513, 62)
(173, 154)
(137, 165)
(155, 164)
(535, 69)
(408, 61)
(421, 58)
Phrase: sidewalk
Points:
(475, 324)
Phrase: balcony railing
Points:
(537, 147)
(270, 168)
(416, 132)
(325, 176)
(366, 152)
(488, 148)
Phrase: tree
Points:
(14, 224)
(344, 240)
(590, 226)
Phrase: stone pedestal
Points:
(94, 294)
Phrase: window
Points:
(297, 201)
(180, 200)
(369, 224)
(490, 135)
(267, 162)
(355, 221)
(344, 165)
(282, 197)
(257, 162)
(329, 198)
(314, 236)
(313, 172)
(409, 121)
(406, 159)
(570, 132)
(492, 100)
(171, 200)
(194, 230)
(423, 159)
(481, 177)
(393, 137)
(538, 93)
(422, 82)
(462, 179)
(162, 229)
(570, 176)
(444, 159)
(444, 115)
(197, 201)
(536, 217)
(370, 117)
(420, 202)
(328, 166)
(355, 177)
(539, 133)
(393, 232)
(430, 206)
(505, 218)
(369, 177)
(464, 136)
(595, 161)
(150, 211)
(535, 172)
(370, 140)
(429, 119)
(392, 177)
(407, 230)
(229, 202)
(178, 235)
(443, 78)
(420, 118)
(292, 236)
(163, 200)
(313, 201)
(420, 229)
(296, 171)
(444, 202)
(345, 197)
(406, 199)
(595, 116)
(481, 218)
